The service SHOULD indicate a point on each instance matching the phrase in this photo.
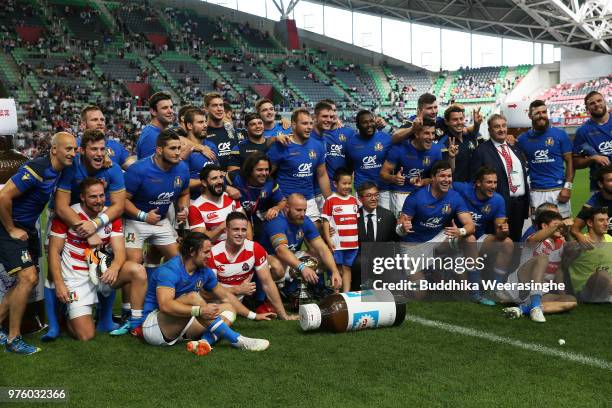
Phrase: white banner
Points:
(8, 117)
(516, 113)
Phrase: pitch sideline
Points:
(466, 331)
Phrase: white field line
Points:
(466, 331)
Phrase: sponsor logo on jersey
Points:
(605, 148)
(368, 160)
(211, 216)
(541, 154)
(25, 256)
(25, 177)
(337, 210)
(224, 147)
(304, 170)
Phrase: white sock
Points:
(136, 313)
(126, 306)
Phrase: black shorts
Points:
(16, 254)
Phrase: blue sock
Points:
(536, 300)
(222, 330)
(105, 316)
(525, 308)
(209, 337)
(51, 304)
(260, 295)
(474, 277)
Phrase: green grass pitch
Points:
(411, 365)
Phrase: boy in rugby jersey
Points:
(340, 212)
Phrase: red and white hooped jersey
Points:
(342, 214)
(204, 213)
(73, 255)
(553, 247)
(232, 271)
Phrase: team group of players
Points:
(243, 201)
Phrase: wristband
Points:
(462, 232)
(301, 267)
(568, 185)
(400, 231)
(252, 315)
(142, 216)
(104, 220)
(195, 311)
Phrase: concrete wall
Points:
(539, 78)
(581, 65)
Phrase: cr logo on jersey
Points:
(305, 167)
(166, 195)
(312, 154)
(605, 148)
(378, 146)
(549, 141)
(334, 148)
(541, 154)
(224, 147)
(446, 209)
(369, 159)
(177, 181)
(486, 209)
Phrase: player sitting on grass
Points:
(340, 212)
(544, 265)
(70, 260)
(591, 271)
(175, 309)
(427, 218)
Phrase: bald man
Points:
(284, 235)
(22, 200)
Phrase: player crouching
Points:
(237, 260)
(69, 263)
(175, 310)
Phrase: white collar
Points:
(366, 213)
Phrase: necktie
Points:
(370, 229)
(506, 155)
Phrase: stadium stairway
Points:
(105, 14)
(276, 83)
(380, 79)
(10, 71)
(226, 76)
(339, 90)
(159, 83)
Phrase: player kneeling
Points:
(70, 258)
(175, 310)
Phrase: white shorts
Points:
(397, 201)
(312, 210)
(86, 295)
(425, 249)
(320, 200)
(550, 196)
(137, 232)
(153, 335)
(50, 215)
(384, 200)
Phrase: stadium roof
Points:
(583, 24)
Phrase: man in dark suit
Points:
(510, 166)
(375, 224)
